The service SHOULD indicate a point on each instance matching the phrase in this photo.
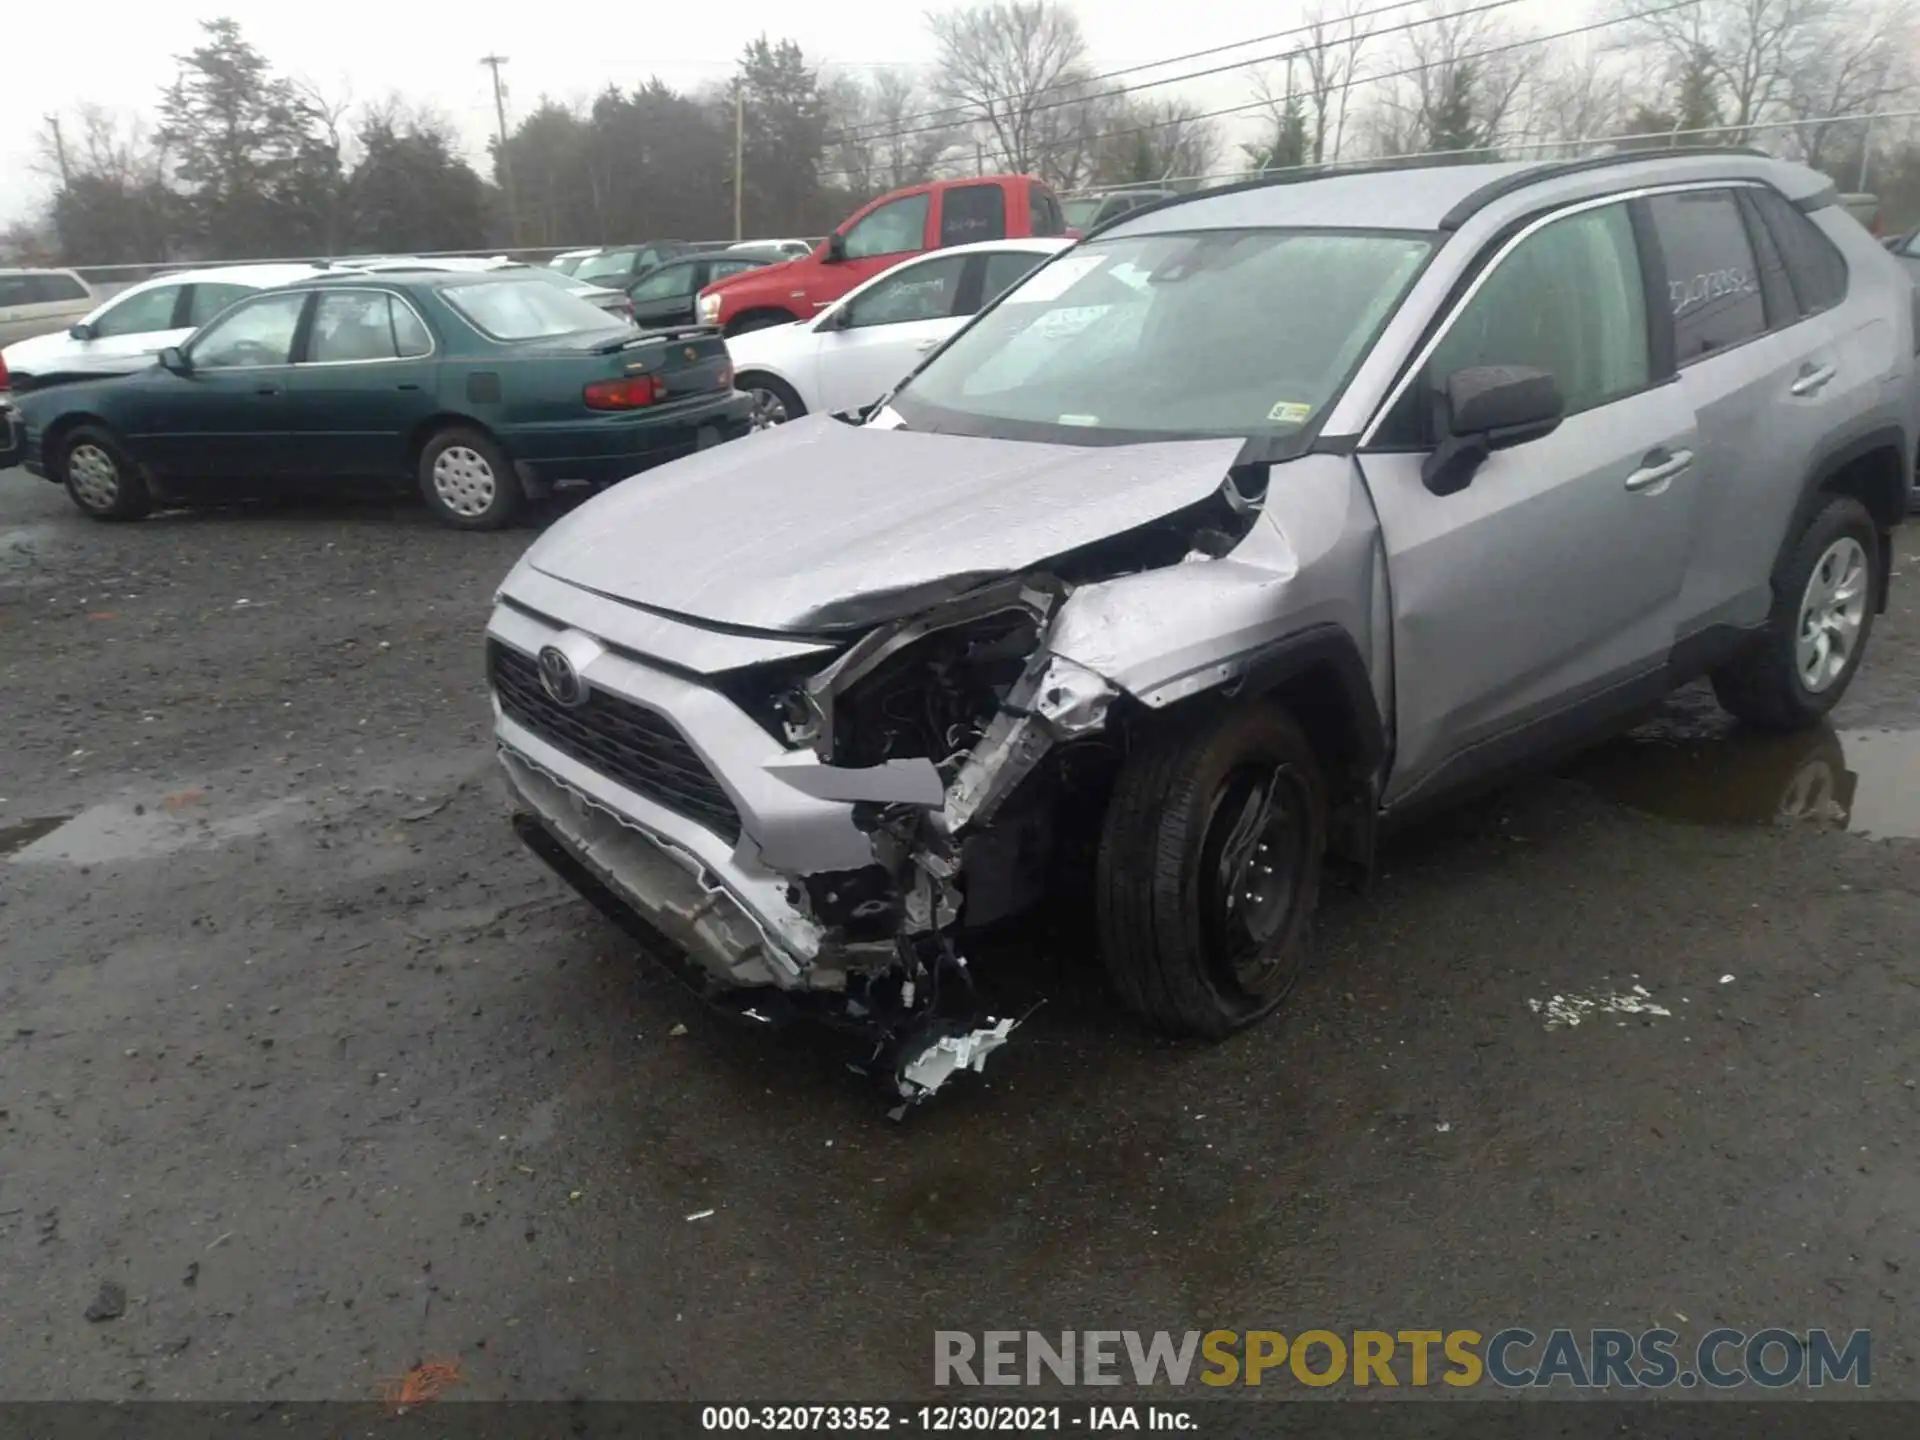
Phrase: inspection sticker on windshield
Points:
(1290, 412)
(1050, 282)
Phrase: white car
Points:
(853, 352)
(567, 261)
(138, 323)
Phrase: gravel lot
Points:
(302, 1050)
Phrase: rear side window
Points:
(352, 325)
(1713, 282)
(1815, 266)
(209, 300)
(55, 289)
(973, 212)
(16, 290)
(1004, 271)
(1047, 217)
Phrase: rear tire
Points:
(468, 481)
(774, 401)
(1824, 595)
(99, 477)
(1209, 871)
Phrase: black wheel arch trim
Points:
(1331, 649)
(1836, 458)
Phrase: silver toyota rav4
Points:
(1259, 520)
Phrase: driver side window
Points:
(926, 291)
(665, 283)
(140, 314)
(257, 333)
(1568, 300)
(896, 227)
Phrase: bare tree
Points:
(883, 134)
(1581, 94)
(1330, 61)
(1752, 49)
(1010, 67)
(1462, 88)
(1154, 140)
(1859, 66)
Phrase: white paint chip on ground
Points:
(1564, 1012)
(1726, 979)
(699, 1215)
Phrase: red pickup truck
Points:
(877, 237)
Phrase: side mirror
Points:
(82, 331)
(836, 249)
(174, 359)
(1487, 408)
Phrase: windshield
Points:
(518, 310)
(1222, 333)
(1080, 213)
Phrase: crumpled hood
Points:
(819, 524)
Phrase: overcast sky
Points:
(59, 57)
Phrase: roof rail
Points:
(1458, 215)
(1330, 171)
(1464, 209)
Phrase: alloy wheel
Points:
(1833, 612)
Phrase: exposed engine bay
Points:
(1022, 742)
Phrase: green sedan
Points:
(483, 389)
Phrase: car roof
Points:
(428, 278)
(38, 270)
(261, 277)
(1442, 197)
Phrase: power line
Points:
(847, 135)
(1047, 146)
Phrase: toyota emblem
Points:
(560, 680)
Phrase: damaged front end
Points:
(982, 742)
(949, 712)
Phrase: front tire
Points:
(758, 320)
(1209, 871)
(774, 401)
(468, 481)
(1823, 606)
(99, 477)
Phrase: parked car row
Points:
(1192, 553)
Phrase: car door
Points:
(877, 336)
(364, 379)
(1542, 596)
(135, 325)
(1765, 363)
(665, 296)
(971, 214)
(225, 417)
(883, 237)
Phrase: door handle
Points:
(1811, 382)
(1658, 468)
(267, 390)
(926, 345)
(408, 385)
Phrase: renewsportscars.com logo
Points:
(1513, 1359)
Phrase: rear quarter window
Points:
(59, 289)
(1713, 279)
(1815, 267)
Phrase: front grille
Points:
(625, 742)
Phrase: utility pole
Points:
(493, 63)
(60, 151)
(739, 158)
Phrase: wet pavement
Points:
(302, 1051)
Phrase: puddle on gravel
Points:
(23, 833)
(1866, 781)
(106, 834)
